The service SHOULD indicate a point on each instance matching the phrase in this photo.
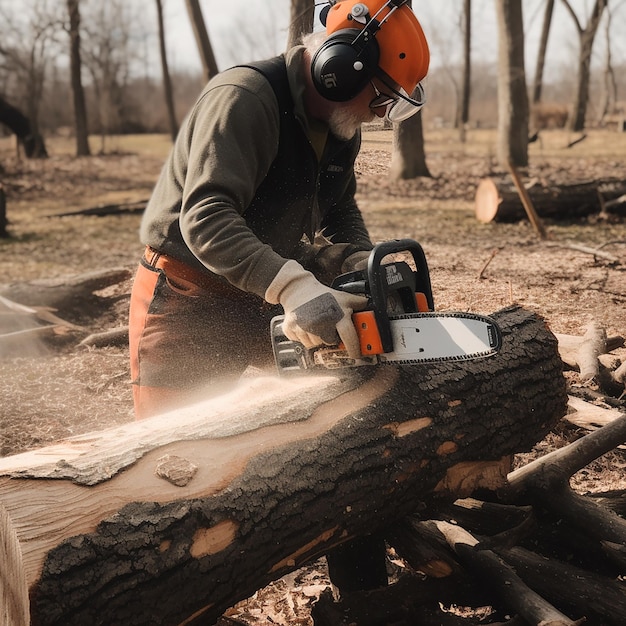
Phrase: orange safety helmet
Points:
(403, 50)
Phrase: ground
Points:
(474, 267)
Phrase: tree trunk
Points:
(463, 118)
(209, 65)
(80, 110)
(541, 55)
(301, 23)
(408, 157)
(587, 35)
(31, 141)
(512, 94)
(179, 517)
(167, 82)
(498, 200)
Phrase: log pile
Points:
(497, 199)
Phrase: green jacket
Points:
(247, 178)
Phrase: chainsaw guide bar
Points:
(419, 338)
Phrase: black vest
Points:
(297, 192)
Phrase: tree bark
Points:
(181, 516)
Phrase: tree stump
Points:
(176, 518)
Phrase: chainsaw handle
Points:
(379, 287)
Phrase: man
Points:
(263, 163)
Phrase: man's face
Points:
(347, 117)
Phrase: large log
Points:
(174, 519)
(498, 200)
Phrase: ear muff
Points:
(342, 68)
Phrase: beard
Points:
(344, 122)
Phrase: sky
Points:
(242, 30)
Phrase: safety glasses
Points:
(400, 106)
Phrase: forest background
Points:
(122, 66)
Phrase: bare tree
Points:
(80, 109)
(512, 95)
(108, 53)
(209, 65)
(609, 84)
(302, 14)
(25, 48)
(167, 82)
(587, 35)
(541, 55)
(463, 118)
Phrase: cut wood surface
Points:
(272, 478)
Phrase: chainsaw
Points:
(399, 324)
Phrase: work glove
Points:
(314, 313)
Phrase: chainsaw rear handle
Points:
(379, 283)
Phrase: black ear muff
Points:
(342, 68)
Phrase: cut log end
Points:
(487, 201)
(14, 601)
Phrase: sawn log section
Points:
(173, 520)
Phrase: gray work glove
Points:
(314, 313)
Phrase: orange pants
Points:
(189, 342)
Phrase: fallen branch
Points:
(529, 207)
(572, 143)
(596, 252)
(135, 206)
(113, 337)
(581, 591)
(507, 584)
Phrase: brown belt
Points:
(175, 268)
